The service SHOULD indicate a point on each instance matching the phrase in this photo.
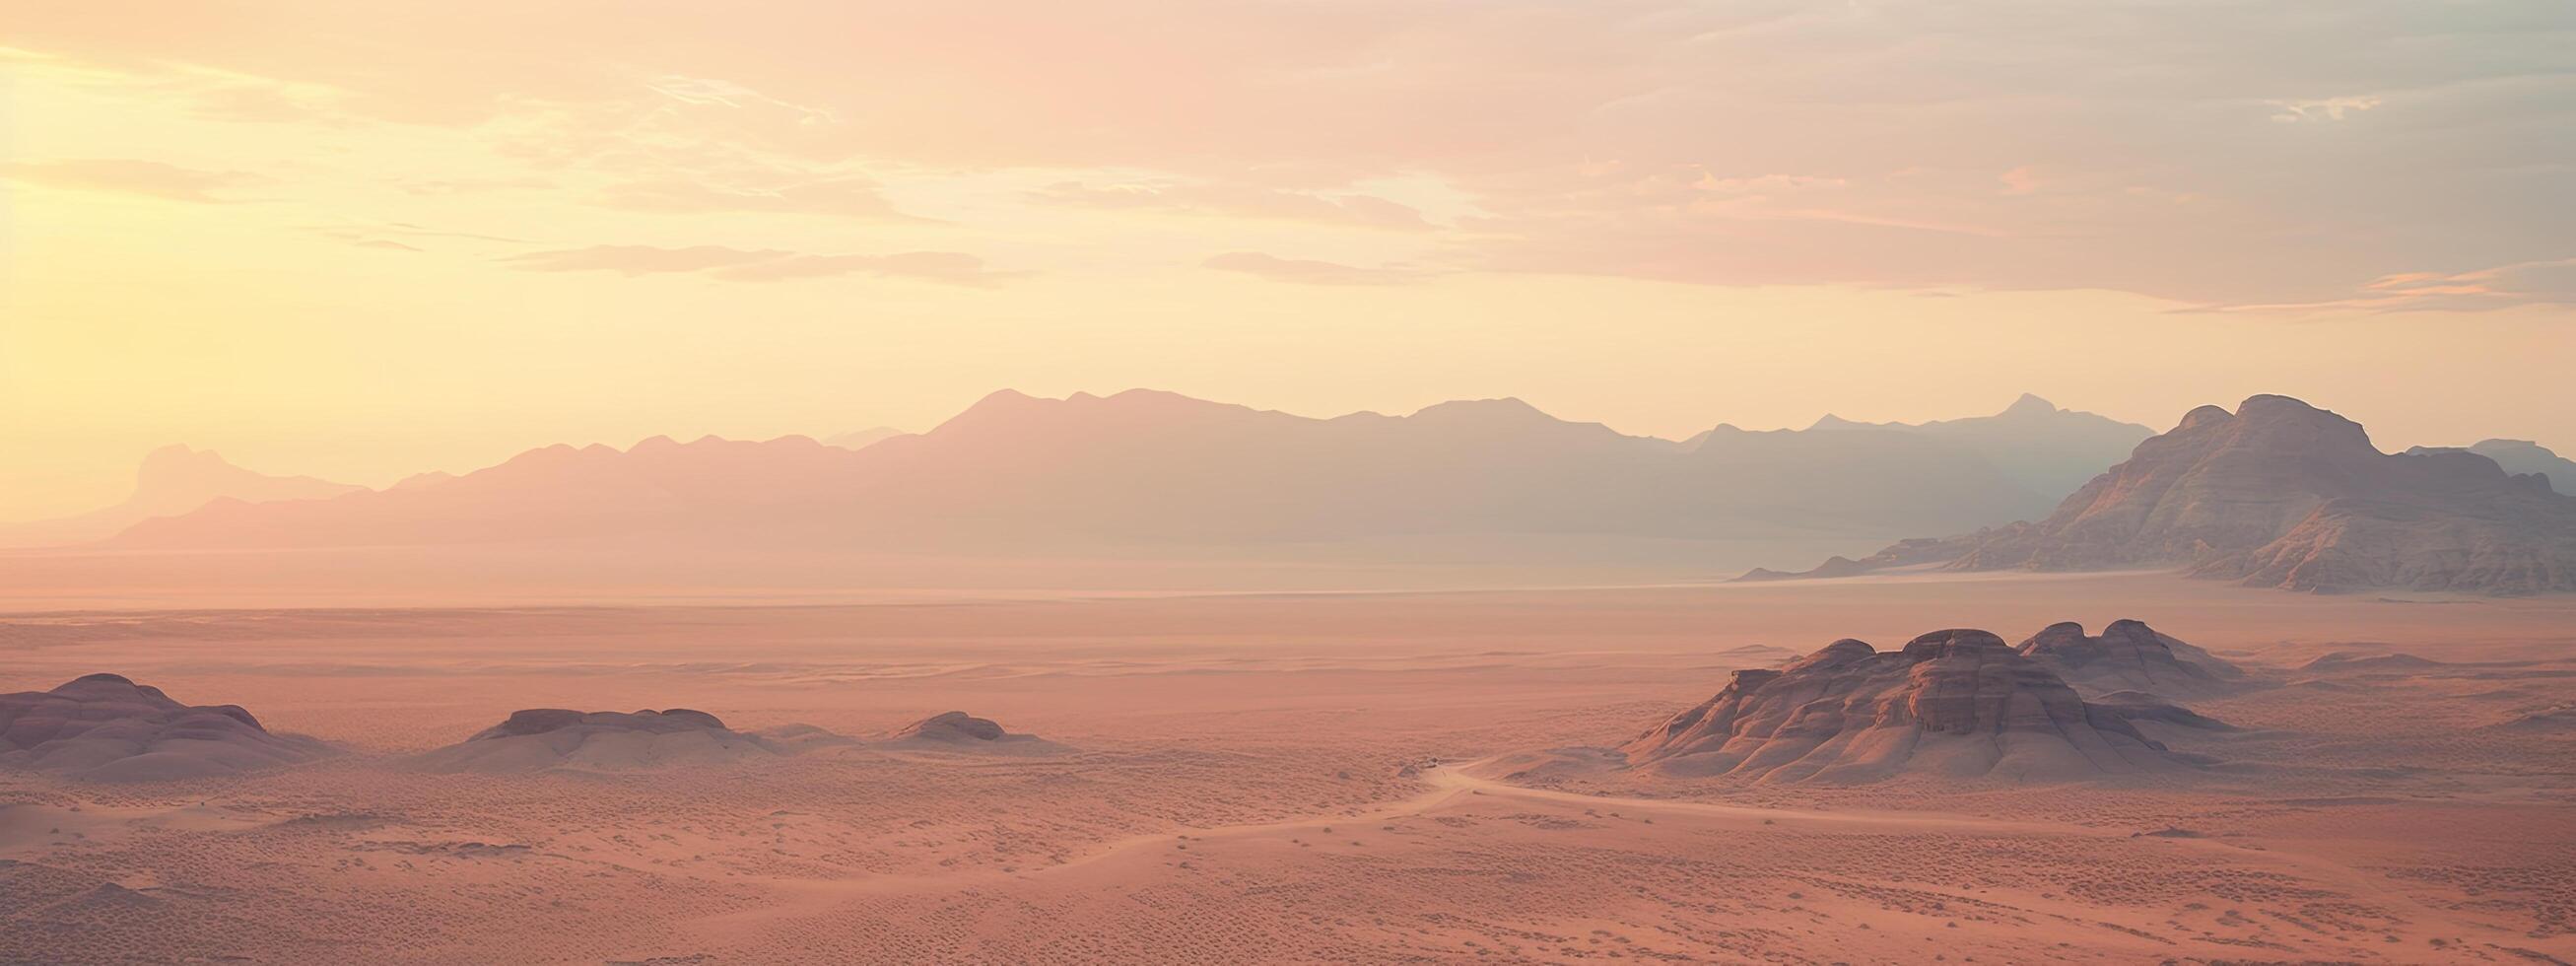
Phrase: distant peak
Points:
(2284, 414)
(1003, 397)
(1506, 407)
(2268, 404)
(2030, 405)
(1153, 396)
(2203, 415)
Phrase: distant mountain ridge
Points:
(2044, 448)
(2518, 456)
(1155, 468)
(172, 480)
(2283, 494)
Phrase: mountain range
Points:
(172, 480)
(1146, 468)
(2283, 494)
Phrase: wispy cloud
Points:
(641, 259)
(762, 264)
(1238, 200)
(151, 179)
(840, 197)
(2543, 282)
(2211, 153)
(2320, 109)
(1309, 271)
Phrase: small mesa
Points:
(547, 739)
(1953, 704)
(959, 731)
(104, 727)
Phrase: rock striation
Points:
(104, 727)
(1953, 704)
(2130, 656)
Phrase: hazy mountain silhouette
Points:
(2046, 450)
(2283, 494)
(1144, 468)
(862, 438)
(559, 492)
(2518, 456)
(172, 480)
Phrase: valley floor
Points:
(1241, 789)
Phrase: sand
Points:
(1294, 777)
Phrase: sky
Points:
(362, 239)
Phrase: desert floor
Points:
(1239, 790)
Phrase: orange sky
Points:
(359, 240)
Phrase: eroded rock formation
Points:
(103, 727)
(1957, 704)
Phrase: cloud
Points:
(150, 179)
(641, 259)
(762, 264)
(2207, 153)
(2322, 109)
(1238, 200)
(1309, 271)
(376, 235)
(953, 268)
(2543, 282)
(840, 197)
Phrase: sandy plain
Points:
(1238, 788)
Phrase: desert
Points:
(1168, 482)
(1368, 776)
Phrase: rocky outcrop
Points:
(544, 739)
(2130, 656)
(2282, 494)
(1955, 704)
(104, 727)
(959, 731)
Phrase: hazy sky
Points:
(361, 239)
